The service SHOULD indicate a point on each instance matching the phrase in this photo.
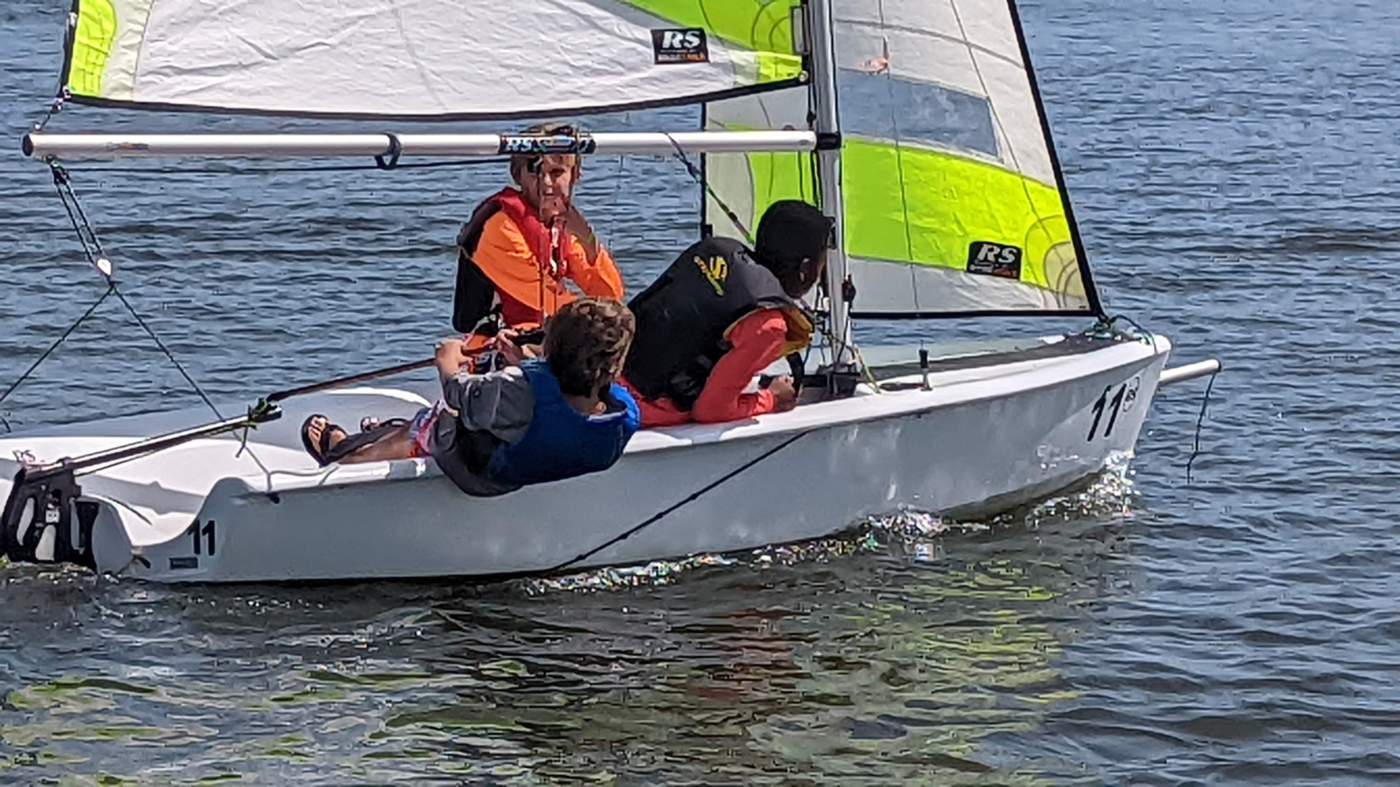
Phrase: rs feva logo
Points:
(992, 253)
(680, 39)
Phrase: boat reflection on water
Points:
(912, 645)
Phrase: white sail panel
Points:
(426, 58)
(747, 183)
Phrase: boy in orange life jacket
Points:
(521, 244)
(720, 315)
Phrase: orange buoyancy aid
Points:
(477, 294)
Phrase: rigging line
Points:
(1144, 335)
(166, 350)
(76, 217)
(289, 169)
(696, 495)
(695, 174)
(52, 347)
(1200, 418)
(55, 107)
(83, 227)
(612, 198)
(866, 372)
(64, 183)
(87, 237)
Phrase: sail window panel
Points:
(907, 54)
(884, 107)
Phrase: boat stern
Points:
(46, 520)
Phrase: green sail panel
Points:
(952, 200)
(763, 27)
(426, 59)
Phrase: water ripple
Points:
(1232, 167)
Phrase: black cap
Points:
(789, 232)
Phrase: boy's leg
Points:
(397, 443)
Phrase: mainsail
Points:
(426, 59)
(953, 202)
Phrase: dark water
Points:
(1233, 166)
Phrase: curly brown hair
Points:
(586, 342)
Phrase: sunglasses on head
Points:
(535, 163)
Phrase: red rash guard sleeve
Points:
(755, 342)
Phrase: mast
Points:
(821, 40)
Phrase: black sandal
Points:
(321, 450)
(325, 455)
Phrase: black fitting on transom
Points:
(848, 290)
(828, 140)
(395, 150)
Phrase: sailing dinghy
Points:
(915, 124)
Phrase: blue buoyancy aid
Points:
(561, 442)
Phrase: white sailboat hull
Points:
(984, 438)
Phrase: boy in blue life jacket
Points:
(534, 421)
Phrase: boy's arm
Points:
(591, 267)
(600, 279)
(756, 342)
(500, 403)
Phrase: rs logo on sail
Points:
(686, 45)
(715, 270)
(994, 259)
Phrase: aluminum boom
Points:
(68, 146)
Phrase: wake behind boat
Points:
(955, 210)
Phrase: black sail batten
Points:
(1085, 273)
(964, 314)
